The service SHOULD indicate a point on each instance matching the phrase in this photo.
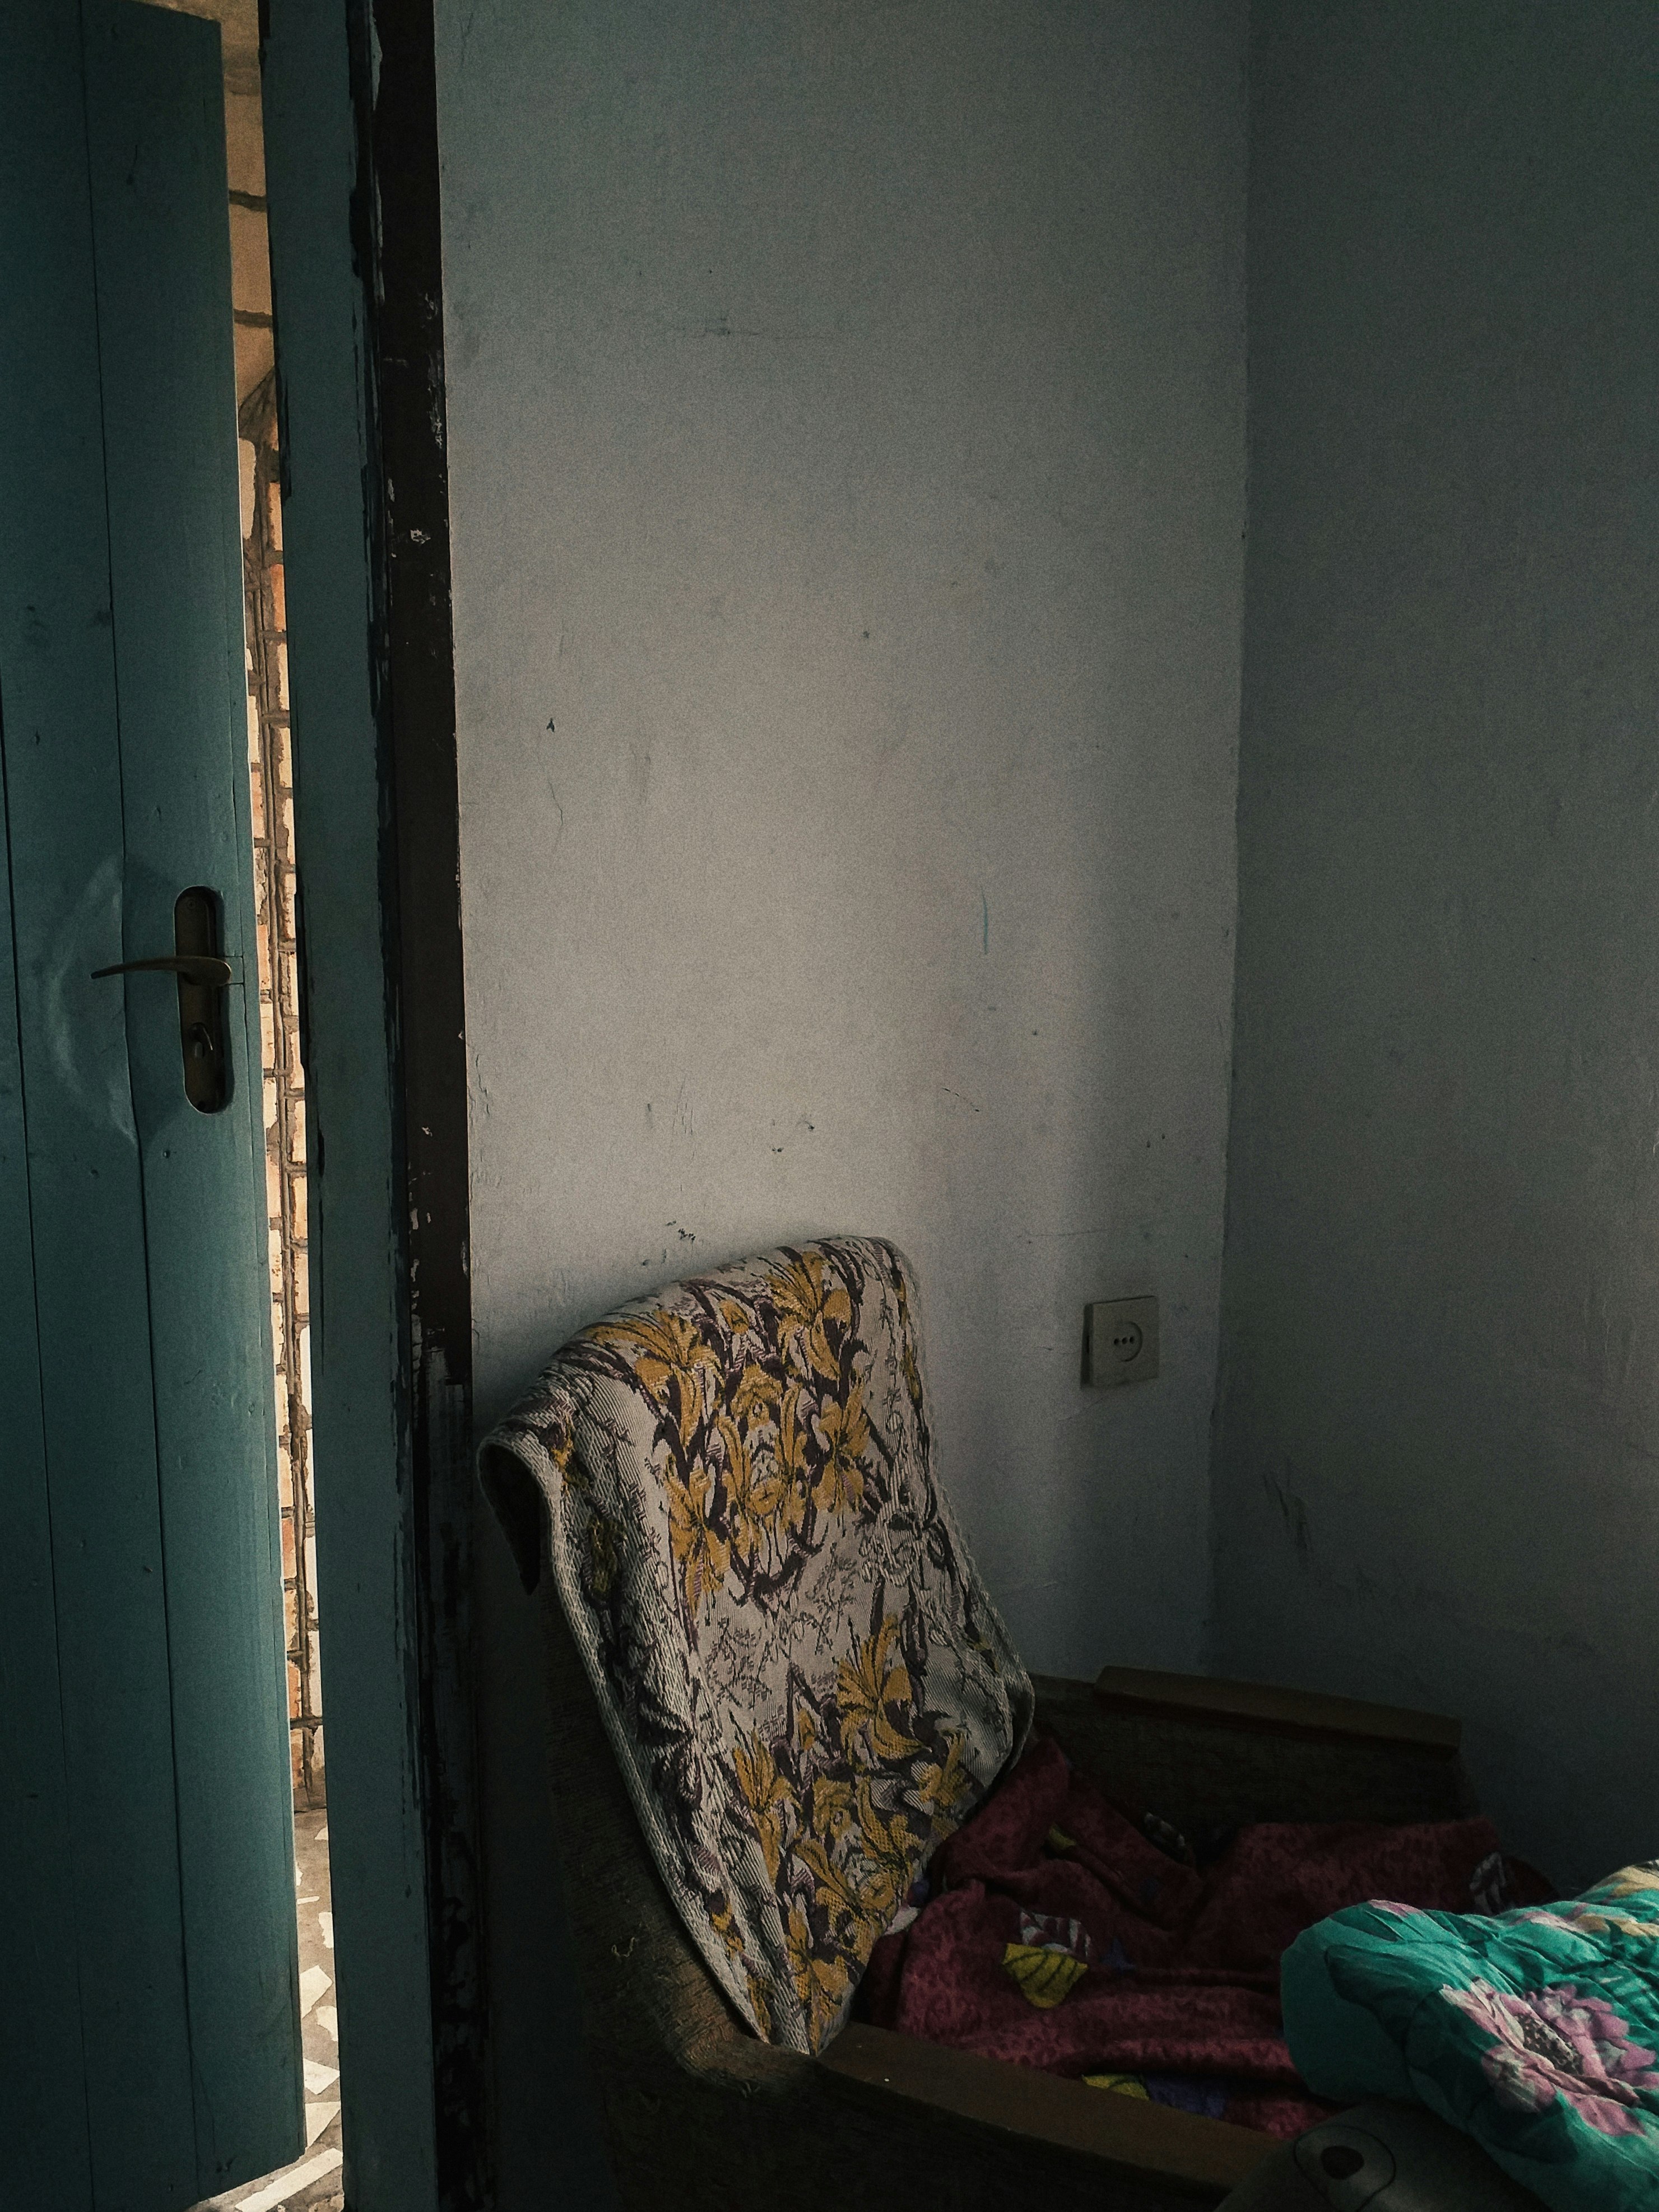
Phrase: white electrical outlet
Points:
(1120, 1342)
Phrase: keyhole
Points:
(201, 1005)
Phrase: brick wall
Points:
(271, 775)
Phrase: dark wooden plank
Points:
(366, 1540)
(45, 2155)
(124, 1944)
(1200, 1773)
(398, 116)
(155, 108)
(1272, 1707)
(1145, 2141)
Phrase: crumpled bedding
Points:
(1536, 2032)
(1053, 1929)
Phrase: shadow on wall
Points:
(1440, 1412)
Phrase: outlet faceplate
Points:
(1120, 1342)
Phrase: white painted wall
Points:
(1438, 1472)
(846, 434)
(846, 420)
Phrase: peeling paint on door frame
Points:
(352, 163)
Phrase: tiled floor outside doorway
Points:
(312, 2183)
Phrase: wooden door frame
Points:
(352, 183)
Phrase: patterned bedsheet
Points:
(1058, 1932)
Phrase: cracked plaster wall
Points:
(845, 435)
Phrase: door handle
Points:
(204, 976)
(206, 969)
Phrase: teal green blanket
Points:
(1534, 2031)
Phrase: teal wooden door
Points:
(149, 2046)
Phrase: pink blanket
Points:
(1056, 1934)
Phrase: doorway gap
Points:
(313, 2182)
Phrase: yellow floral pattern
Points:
(807, 1684)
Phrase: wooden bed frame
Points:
(701, 2116)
